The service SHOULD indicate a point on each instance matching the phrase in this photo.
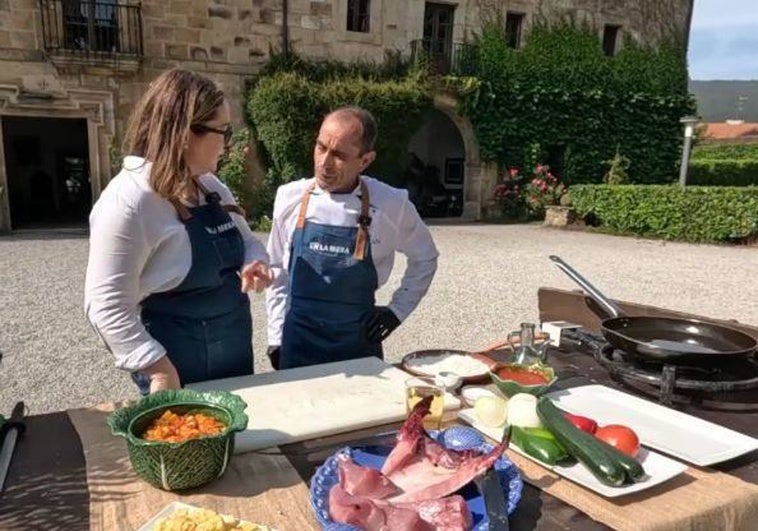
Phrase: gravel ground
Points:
(486, 284)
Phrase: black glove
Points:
(381, 324)
(273, 356)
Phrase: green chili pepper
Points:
(539, 443)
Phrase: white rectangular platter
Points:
(675, 433)
(657, 467)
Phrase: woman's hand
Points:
(257, 276)
(162, 375)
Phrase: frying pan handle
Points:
(604, 301)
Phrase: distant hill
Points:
(718, 101)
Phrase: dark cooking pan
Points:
(666, 339)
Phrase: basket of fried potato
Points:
(180, 516)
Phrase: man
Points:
(333, 244)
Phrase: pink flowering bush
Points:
(543, 189)
(522, 197)
(509, 194)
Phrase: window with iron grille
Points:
(358, 15)
(610, 38)
(513, 26)
(91, 26)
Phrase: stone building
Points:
(71, 71)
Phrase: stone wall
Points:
(317, 27)
(18, 19)
(230, 40)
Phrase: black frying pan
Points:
(666, 339)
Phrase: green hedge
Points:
(707, 172)
(286, 109)
(233, 169)
(696, 214)
(256, 195)
(725, 152)
(394, 67)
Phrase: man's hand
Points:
(381, 324)
(273, 356)
(256, 276)
(162, 375)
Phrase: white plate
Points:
(170, 509)
(689, 438)
(658, 468)
(431, 362)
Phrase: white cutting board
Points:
(300, 404)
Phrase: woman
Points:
(170, 252)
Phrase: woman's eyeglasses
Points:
(202, 128)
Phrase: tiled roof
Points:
(726, 130)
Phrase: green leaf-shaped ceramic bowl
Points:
(188, 464)
(511, 387)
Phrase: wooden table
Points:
(47, 484)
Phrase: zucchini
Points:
(581, 445)
(633, 468)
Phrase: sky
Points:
(724, 40)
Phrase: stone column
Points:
(472, 192)
(490, 207)
(5, 205)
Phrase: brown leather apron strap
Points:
(235, 209)
(183, 211)
(364, 220)
(229, 208)
(361, 240)
(200, 185)
(304, 205)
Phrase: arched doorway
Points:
(436, 167)
(445, 172)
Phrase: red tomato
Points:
(620, 437)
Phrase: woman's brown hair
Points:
(159, 128)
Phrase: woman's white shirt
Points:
(139, 246)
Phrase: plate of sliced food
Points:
(427, 479)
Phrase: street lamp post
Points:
(689, 129)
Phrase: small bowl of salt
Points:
(447, 380)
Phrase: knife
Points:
(9, 432)
(495, 502)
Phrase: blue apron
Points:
(205, 322)
(331, 291)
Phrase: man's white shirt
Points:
(395, 227)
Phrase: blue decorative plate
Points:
(456, 438)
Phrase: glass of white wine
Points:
(420, 387)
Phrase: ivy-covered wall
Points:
(560, 98)
(287, 108)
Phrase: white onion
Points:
(491, 410)
(522, 411)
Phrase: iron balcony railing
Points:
(101, 28)
(456, 58)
